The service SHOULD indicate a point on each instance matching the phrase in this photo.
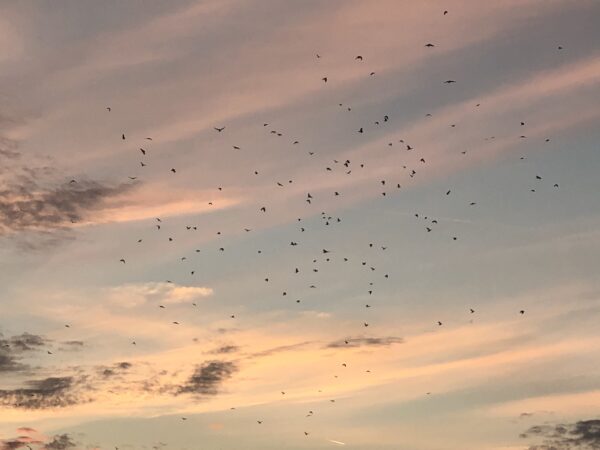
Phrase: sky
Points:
(265, 225)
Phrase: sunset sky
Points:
(395, 251)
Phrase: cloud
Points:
(8, 149)
(26, 342)
(225, 349)
(51, 392)
(26, 205)
(279, 349)
(582, 435)
(365, 341)
(208, 377)
(72, 345)
(13, 444)
(12, 349)
(26, 440)
(115, 369)
(60, 442)
(8, 362)
(131, 295)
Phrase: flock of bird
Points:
(329, 220)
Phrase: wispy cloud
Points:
(365, 341)
(131, 295)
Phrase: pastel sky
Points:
(389, 245)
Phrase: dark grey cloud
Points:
(582, 435)
(8, 362)
(115, 369)
(51, 392)
(60, 442)
(365, 341)
(26, 205)
(208, 377)
(12, 444)
(225, 349)
(26, 342)
(13, 348)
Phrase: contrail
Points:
(336, 442)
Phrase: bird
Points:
(324, 79)
(143, 151)
(219, 129)
(122, 260)
(429, 45)
(449, 81)
(360, 58)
